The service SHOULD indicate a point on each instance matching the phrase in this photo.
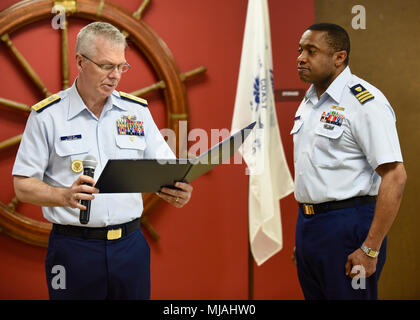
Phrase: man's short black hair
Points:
(337, 37)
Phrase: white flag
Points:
(270, 178)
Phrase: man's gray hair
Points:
(88, 33)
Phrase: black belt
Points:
(312, 209)
(106, 233)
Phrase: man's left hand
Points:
(177, 197)
(359, 258)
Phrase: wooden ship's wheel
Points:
(155, 51)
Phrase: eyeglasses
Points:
(123, 67)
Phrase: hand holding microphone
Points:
(89, 165)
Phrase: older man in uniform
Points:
(349, 175)
(92, 118)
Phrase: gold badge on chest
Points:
(77, 166)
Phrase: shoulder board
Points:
(130, 97)
(361, 93)
(42, 105)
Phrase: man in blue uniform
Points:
(349, 175)
(109, 257)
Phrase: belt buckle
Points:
(114, 234)
(308, 209)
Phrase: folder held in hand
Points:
(150, 175)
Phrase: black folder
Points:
(150, 175)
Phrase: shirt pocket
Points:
(74, 150)
(327, 148)
(130, 147)
(68, 162)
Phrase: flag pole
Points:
(250, 273)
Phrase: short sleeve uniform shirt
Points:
(340, 139)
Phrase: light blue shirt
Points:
(67, 131)
(339, 142)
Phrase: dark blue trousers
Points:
(78, 268)
(323, 243)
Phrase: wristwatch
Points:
(369, 252)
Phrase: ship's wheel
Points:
(170, 82)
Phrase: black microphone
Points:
(89, 165)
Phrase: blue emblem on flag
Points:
(259, 101)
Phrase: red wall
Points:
(203, 250)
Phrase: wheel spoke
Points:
(15, 105)
(161, 84)
(153, 233)
(100, 7)
(25, 65)
(65, 68)
(10, 142)
(189, 74)
(139, 11)
(13, 204)
(153, 87)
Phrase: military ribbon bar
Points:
(130, 127)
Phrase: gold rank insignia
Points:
(77, 166)
(361, 93)
(130, 97)
(42, 105)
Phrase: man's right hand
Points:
(32, 190)
(80, 190)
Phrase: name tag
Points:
(70, 138)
